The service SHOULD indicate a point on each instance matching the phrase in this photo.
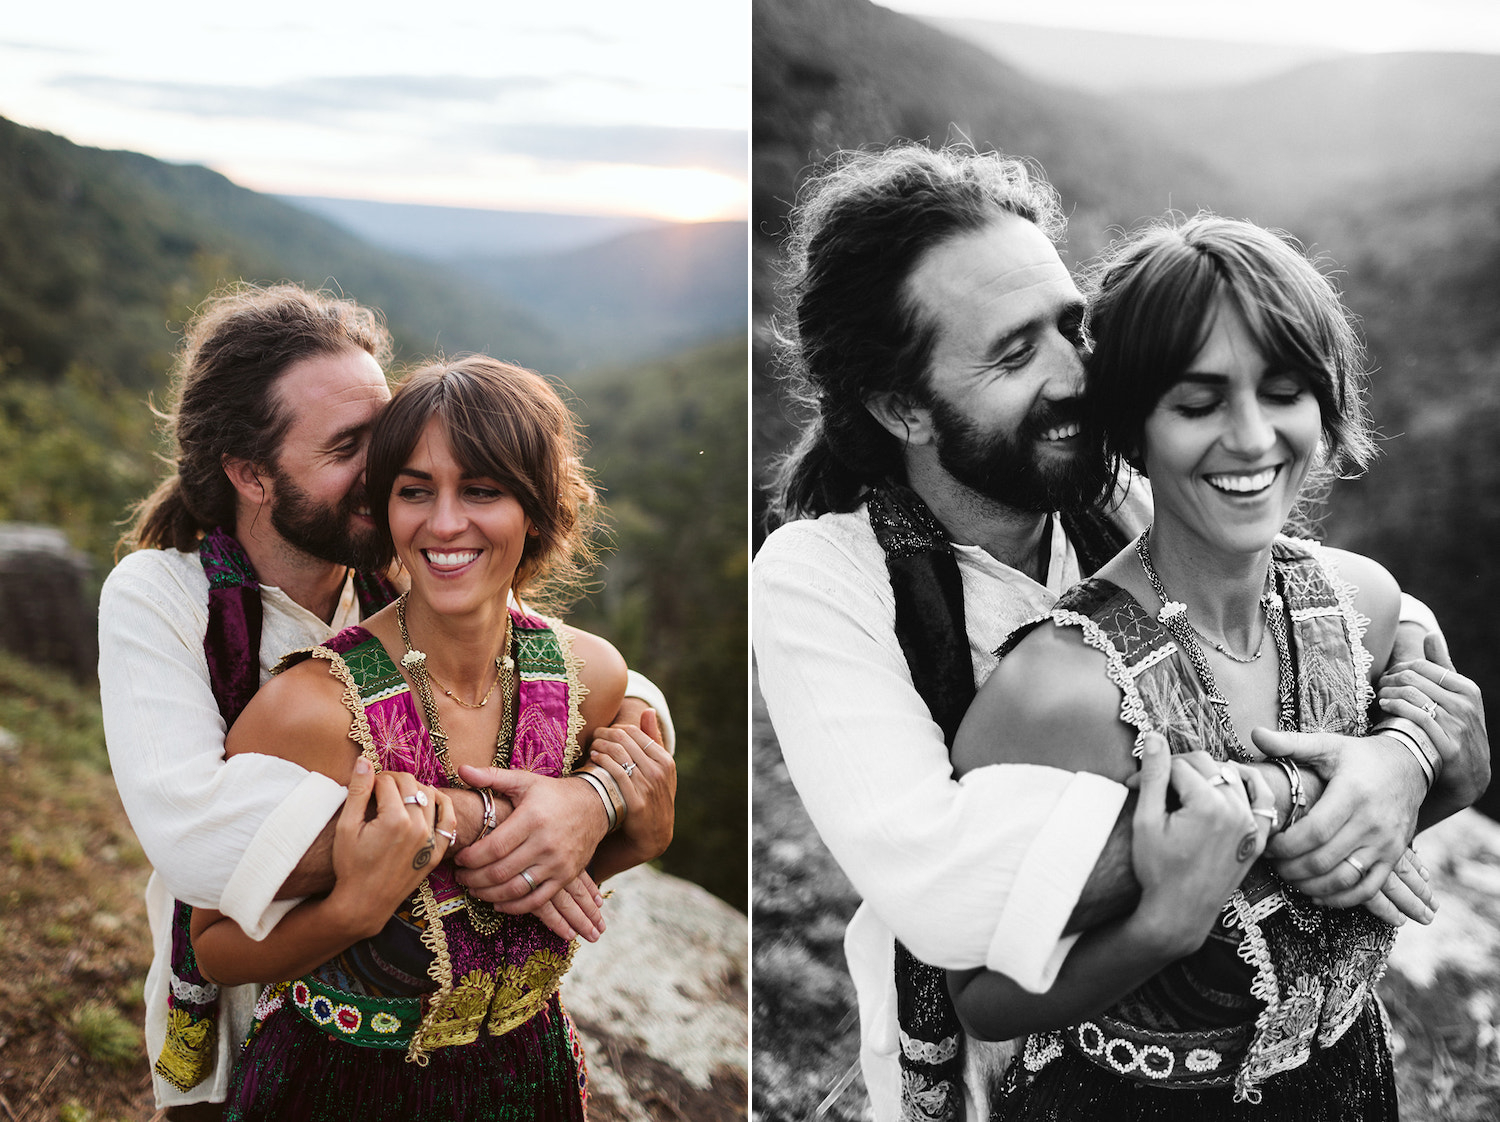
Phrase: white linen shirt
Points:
(219, 834)
(982, 872)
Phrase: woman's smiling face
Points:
(1229, 444)
(459, 536)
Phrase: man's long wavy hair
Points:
(507, 424)
(223, 400)
(849, 329)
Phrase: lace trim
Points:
(928, 1052)
(577, 691)
(193, 994)
(440, 969)
(1132, 709)
(1355, 621)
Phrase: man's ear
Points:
(245, 477)
(901, 416)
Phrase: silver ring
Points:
(629, 768)
(1431, 709)
(1444, 678)
(526, 876)
(1219, 780)
(419, 799)
(451, 835)
(1357, 863)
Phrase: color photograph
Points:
(373, 616)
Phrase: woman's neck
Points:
(461, 649)
(1222, 590)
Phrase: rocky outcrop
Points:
(662, 1005)
(44, 614)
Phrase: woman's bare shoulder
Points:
(1049, 702)
(299, 715)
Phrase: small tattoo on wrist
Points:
(424, 855)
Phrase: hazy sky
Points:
(581, 106)
(1370, 25)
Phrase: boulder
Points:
(45, 615)
(661, 1003)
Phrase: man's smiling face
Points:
(319, 505)
(1006, 372)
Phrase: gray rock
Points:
(45, 615)
(661, 1003)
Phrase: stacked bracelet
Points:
(1410, 736)
(608, 790)
(488, 801)
(1299, 793)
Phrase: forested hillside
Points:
(104, 254)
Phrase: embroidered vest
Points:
(1279, 975)
(477, 969)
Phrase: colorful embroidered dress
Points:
(452, 1010)
(1275, 1017)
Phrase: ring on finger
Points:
(629, 768)
(526, 876)
(451, 835)
(419, 799)
(1444, 678)
(1359, 866)
(1270, 814)
(1219, 780)
(1431, 709)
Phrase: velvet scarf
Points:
(929, 595)
(232, 646)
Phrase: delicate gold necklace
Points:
(416, 662)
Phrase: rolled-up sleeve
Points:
(220, 834)
(979, 873)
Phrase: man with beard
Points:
(260, 543)
(935, 501)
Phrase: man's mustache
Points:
(1053, 414)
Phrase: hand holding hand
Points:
(1341, 853)
(380, 857)
(1189, 860)
(550, 837)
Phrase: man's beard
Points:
(327, 532)
(1005, 466)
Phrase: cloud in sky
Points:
(589, 107)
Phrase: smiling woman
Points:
(477, 490)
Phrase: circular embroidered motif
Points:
(1091, 1037)
(385, 1022)
(301, 994)
(348, 1019)
(321, 1009)
(1156, 1061)
(1203, 1059)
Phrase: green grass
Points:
(103, 1032)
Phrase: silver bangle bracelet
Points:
(609, 807)
(1404, 738)
(1418, 737)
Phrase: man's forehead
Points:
(1006, 265)
(331, 391)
